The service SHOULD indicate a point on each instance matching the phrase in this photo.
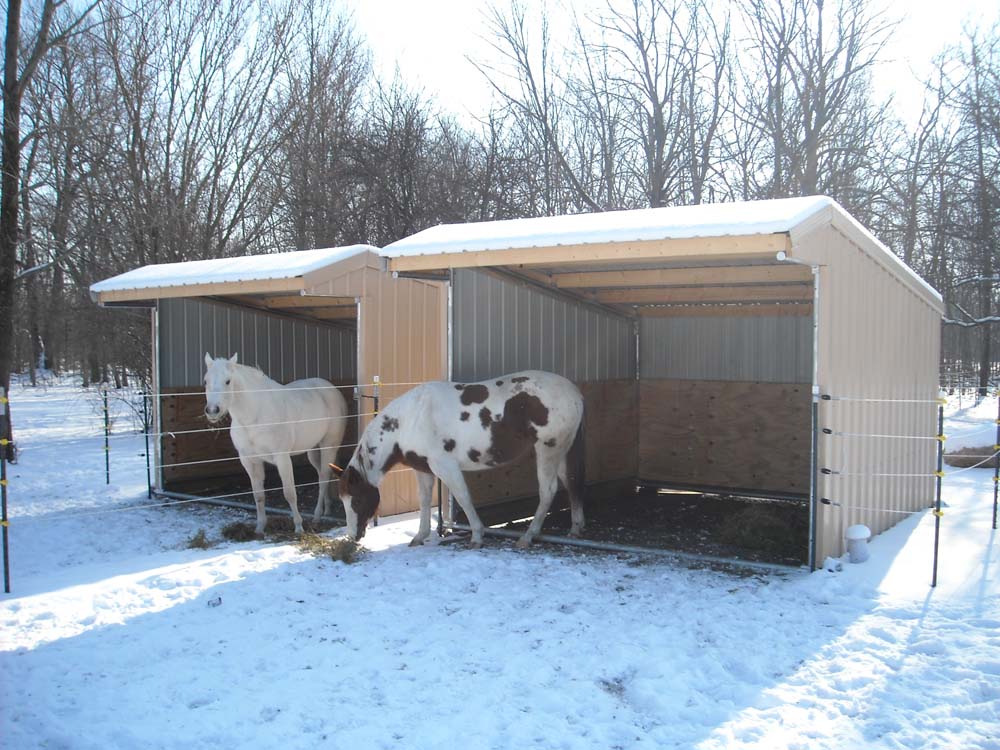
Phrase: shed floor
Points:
(745, 528)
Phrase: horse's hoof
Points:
(476, 545)
(523, 543)
(416, 542)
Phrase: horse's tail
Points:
(576, 459)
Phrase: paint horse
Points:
(273, 422)
(443, 429)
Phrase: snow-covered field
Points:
(115, 636)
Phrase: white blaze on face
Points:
(351, 516)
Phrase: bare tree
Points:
(56, 23)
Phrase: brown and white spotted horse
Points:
(442, 429)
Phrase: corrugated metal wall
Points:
(501, 326)
(748, 348)
(284, 348)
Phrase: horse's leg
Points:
(425, 485)
(318, 460)
(548, 483)
(284, 464)
(451, 475)
(255, 470)
(575, 501)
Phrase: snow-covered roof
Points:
(675, 222)
(273, 266)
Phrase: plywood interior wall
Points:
(737, 435)
(187, 440)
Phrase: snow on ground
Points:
(110, 638)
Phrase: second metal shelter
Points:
(758, 347)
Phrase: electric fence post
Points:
(107, 440)
(996, 462)
(145, 429)
(939, 474)
(376, 382)
(4, 444)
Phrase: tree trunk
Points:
(11, 168)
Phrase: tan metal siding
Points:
(401, 339)
(877, 339)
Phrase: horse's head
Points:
(218, 386)
(360, 499)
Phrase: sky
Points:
(431, 41)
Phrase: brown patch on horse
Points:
(514, 434)
(390, 424)
(499, 382)
(474, 455)
(520, 379)
(364, 497)
(459, 386)
(449, 445)
(485, 417)
(410, 458)
(475, 394)
(551, 442)
(371, 450)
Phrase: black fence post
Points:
(145, 429)
(4, 524)
(939, 474)
(107, 441)
(996, 463)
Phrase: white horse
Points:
(272, 422)
(443, 429)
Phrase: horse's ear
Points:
(208, 359)
(336, 469)
(233, 358)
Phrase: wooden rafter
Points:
(676, 295)
(307, 300)
(728, 311)
(683, 277)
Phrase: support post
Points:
(813, 481)
(107, 441)
(939, 474)
(4, 524)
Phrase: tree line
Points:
(153, 131)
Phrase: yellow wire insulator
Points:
(940, 438)
(942, 401)
(5, 524)
(939, 474)
(4, 441)
(939, 513)
(3, 482)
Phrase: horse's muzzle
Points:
(213, 413)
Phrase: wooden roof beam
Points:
(728, 311)
(684, 276)
(742, 246)
(717, 294)
(308, 300)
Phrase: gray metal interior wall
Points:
(502, 325)
(770, 349)
(284, 348)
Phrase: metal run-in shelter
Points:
(330, 313)
(772, 348)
